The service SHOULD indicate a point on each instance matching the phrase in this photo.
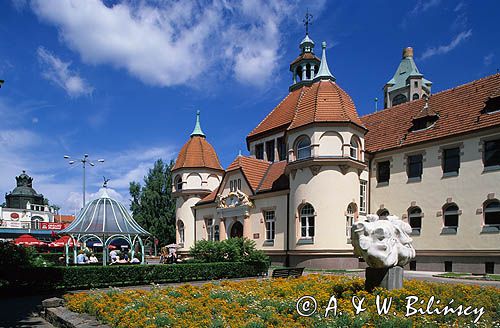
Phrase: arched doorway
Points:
(236, 230)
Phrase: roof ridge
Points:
(263, 177)
(437, 93)
(316, 101)
(301, 96)
(339, 92)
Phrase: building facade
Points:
(315, 166)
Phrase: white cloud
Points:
(422, 6)
(58, 72)
(461, 37)
(488, 59)
(174, 42)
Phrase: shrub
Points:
(12, 255)
(81, 277)
(229, 250)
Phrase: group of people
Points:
(168, 258)
(123, 259)
(82, 258)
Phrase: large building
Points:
(315, 165)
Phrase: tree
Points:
(152, 205)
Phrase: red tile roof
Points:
(210, 197)
(305, 55)
(253, 169)
(322, 101)
(275, 178)
(459, 110)
(63, 218)
(197, 153)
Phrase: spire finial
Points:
(307, 20)
(197, 128)
(324, 71)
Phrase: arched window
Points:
(303, 148)
(399, 99)
(492, 213)
(415, 96)
(349, 218)
(451, 213)
(383, 213)
(178, 182)
(415, 219)
(180, 228)
(299, 73)
(354, 148)
(307, 221)
(308, 71)
(35, 222)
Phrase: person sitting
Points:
(123, 260)
(135, 260)
(114, 256)
(81, 258)
(93, 258)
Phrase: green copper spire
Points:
(324, 71)
(197, 128)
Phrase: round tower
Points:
(196, 173)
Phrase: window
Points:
(415, 166)
(362, 196)
(448, 266)
(216, 233)
(270, 150)
(492, 213)
(451, 160)
(239, 184)
(416, 86)
(270, 225)
(235, 185)
(178, 182)
(424, 122)
(451, 213)
(354, 148)
(349, 217)
(492, 105)
(489, 267)
(383, 171)
(210, 229)
(399, 99)
(415, 220)
(415, 96)
(303, 148)
(492, 153)
(231, 185)
(259, 151)
(281, 149)
(307, 221)
(180, 226)
(35, 223)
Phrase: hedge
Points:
(83, 277)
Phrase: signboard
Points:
(51, 226)
(13, 224)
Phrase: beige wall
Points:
(468, 190)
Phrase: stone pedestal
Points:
(389, 278)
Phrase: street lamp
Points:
(84, 161)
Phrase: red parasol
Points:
(61, 242)
(28, 240)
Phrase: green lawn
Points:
(462, 275)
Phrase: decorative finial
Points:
(239, 152)
(376, 103)
(105, 184)
(307, 20)
(324, 71)
(197, 128)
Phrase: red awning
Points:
(28, 240)
(61, 242)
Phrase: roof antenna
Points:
(376, 104)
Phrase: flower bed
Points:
(273, 303)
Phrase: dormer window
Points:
(492, 105)
(423, 123)
(399, 99)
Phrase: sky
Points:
(122, 80)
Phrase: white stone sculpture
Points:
(383, 243)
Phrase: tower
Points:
(407, 83)
(197, 172)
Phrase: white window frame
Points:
(270, 222)
(362, 196)
(308, 147)
(349, 216)
(307, 225)
(210, 229)
(181, 231)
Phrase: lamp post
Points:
(84, 162)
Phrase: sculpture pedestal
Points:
(389, 278)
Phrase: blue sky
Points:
(122, 80)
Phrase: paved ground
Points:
(22, 311)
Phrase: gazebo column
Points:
(222, 229)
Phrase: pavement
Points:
(22, 311)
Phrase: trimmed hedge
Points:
(82, 277)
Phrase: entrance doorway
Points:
(236, 230)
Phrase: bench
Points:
(287, 272)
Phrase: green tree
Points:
(152, 205)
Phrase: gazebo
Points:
(104, 220)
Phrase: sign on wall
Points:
(51, 226)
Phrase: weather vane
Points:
(307, 20)
(105, 184)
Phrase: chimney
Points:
(407, 52)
